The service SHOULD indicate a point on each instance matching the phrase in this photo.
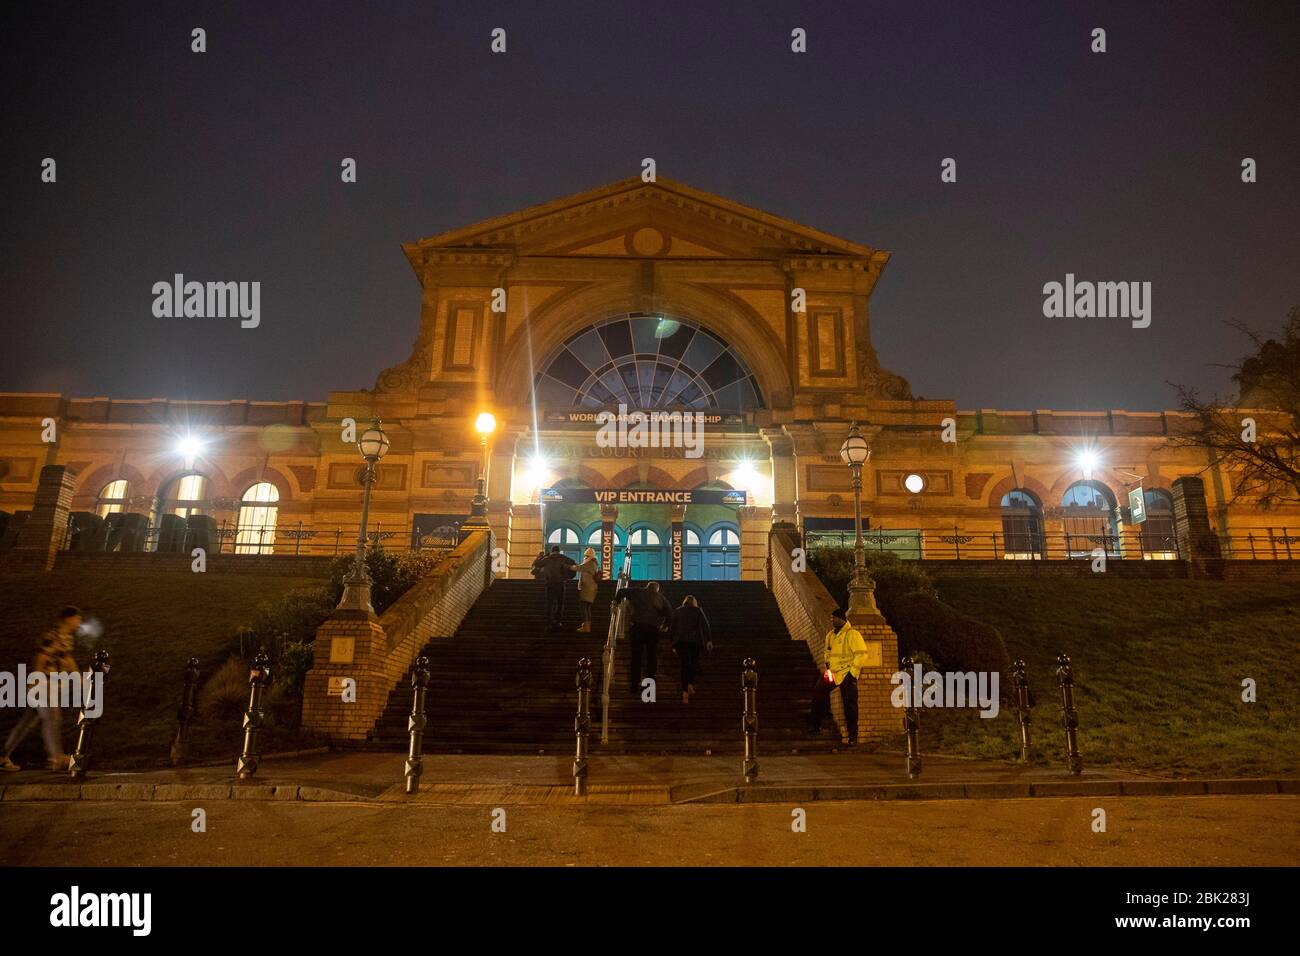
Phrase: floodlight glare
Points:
(189, 446)
(1088, 461)
(914, 483)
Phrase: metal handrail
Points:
(617, 616)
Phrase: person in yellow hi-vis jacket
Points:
(842, 661)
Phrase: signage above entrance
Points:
(590, 419)
(642, 496)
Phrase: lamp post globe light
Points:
(862, 589)
(485, 425)
(373, 445)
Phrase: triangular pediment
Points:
(648, 220)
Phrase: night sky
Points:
(1123, 166)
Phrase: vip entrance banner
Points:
(642, 496)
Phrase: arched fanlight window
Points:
(112, 498)
(645, 536)
(692, 536)
(257, 514)
(562, 536)
(647, 361)
(594, 538)
(724, 537)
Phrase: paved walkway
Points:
(470, 779)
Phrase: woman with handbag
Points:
(588, 575)
(691, 637)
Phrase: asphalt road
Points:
(1140, 831)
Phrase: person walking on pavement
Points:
(842, 660)
(53, 656)
(691, 637)
(556, 571)
(651, 616)
(588, 575)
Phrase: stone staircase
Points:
(503, 684)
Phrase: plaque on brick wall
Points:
(335, 688)
(874, 657)
(342, 651)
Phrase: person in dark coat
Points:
(556, 571)
(691, 637)
(651, 615)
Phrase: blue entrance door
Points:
(649, 555)
(722, 553)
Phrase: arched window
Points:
(112, 498)
(1157, 532)
(593, 539)
(645, 536)
(692, 536)
(647, 361)
(724, 537)
(1022, 526)
(186, 496)
(562, 536)
(1090, 519)
(257, 512)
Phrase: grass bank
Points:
(152, 623)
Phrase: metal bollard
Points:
(912, 726)
(1021, 684)
(749, 719)
(184, 715)
(92, 697)
(582, 727)
(258, 676)
(1069, 715)
(416, 723)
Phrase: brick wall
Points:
(806, 608)
(384, 648)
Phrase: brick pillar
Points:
(877, 716)
(351, 644)
(525, 539)
(1197, 544)
(42, 534)
(755, 526)
(676, 539)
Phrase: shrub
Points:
(392, 573)
(924, 624)
(894, 577)
(225, 695)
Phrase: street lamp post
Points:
(862, 589)
(485, 425)
(373, 445)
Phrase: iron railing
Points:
(617, 627)
(956, 545)
(298, 538)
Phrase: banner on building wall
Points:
(1137, 505)
(642, 496)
